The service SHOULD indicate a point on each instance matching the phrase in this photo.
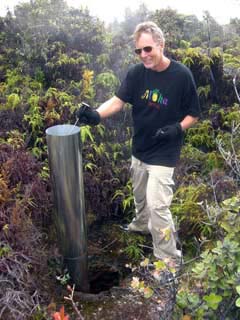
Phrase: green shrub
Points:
(216, 276)
(13, 101)
(202, 136)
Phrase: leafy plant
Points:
(126, 196)
(218, 269)
(34, 116)
(186, 206)
(87, 89)
(13, 101)
(132, 247)
(202, 136)
(204, 91)
(21, 237)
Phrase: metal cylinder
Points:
(65, 162)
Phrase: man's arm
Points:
(91, 116)
(188, 122)
(110, 107)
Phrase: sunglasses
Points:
(145, 49)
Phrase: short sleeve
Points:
(190, 101)
(126, 90)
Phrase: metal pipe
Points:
(65, 162)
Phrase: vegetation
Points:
(52, 58)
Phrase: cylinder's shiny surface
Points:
(65, 162)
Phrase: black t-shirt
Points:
(158, 99)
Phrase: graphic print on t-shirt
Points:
(154, 98)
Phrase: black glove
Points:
(88, 115)
(168, 132)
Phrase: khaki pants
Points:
(152, 190)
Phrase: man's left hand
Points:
(168, 132)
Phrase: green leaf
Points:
(238, 289)
(148, 292)
(213, 300)
(182, 299)
(193, 299)
(86, 133)
(238, 302)
(160, 265)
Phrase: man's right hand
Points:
(88, 115)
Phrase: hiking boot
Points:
(131, 228)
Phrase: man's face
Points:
(153, 59)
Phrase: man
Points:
(164, 104)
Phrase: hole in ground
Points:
(103, 279)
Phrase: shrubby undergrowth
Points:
(45, 73)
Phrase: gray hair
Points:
(151, 28)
